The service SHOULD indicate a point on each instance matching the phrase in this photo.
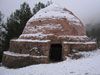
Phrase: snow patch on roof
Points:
(22, 55)
(38, 35)
(78, 37)
(41, 35)
(65, 42)
(72, 36)
(55, 11)
(44, 26)
(27, 40)
(15, 54)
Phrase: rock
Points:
(58, 27)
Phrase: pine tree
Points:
(3, 33)
(16, 22)
(38, 7)
(1, 16)
(93, 31)
(18, 19)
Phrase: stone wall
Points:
(37, 26)
(24, 53)
(66, 49)
(21, 47)
(84, 47)
(41, 49)
(22, 61)
(26, 47)
(79, 46)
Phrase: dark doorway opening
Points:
(55, 53)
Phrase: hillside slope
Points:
(87, 65)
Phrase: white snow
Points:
(55, 11)
(41, 35)
(71, 36)
(43, 27)
(15, 54)
(74, 37)
(79, 42)
(38, 35)
(78, 38)
(87, 65)
(22, 55)
(27, 40)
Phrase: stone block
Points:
(22, 61)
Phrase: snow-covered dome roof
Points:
(53, 21)
(54, 11)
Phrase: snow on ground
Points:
(87, 65)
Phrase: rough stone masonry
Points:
(48, 36)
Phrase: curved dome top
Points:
(54, 11)
(53, 21)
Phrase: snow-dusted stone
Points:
(53, 28)
(53, 21)
(79, 46)
(25, 46)
(17, 60)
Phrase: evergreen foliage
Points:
(93, 31)
(3, 33)
(16, 23)
(17, 20)
(38, 7)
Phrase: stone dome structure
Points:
(49, 36)
(53, 21)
